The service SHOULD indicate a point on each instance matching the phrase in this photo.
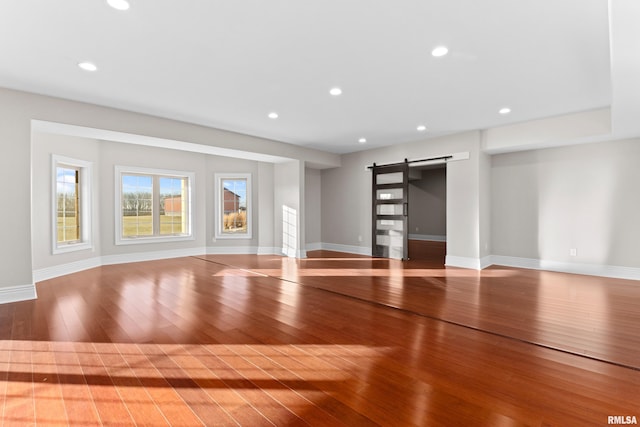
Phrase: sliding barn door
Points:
(390, 210)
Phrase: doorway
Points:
(409, 221)
(427, 213)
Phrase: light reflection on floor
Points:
(157, 375)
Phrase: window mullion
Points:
(77, 205)
(155, 205)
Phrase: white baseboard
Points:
(486, 262)
(61, 270)
(314, 246)
(75, 267)
(28, 292)
(510, 261)
(613, 271)
(359, 250)
(232, 250)
(18, 293)
(264, 250)
(428, 237)
(466, 262)
(288, 252)
(150, 256)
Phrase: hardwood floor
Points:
(334, 339)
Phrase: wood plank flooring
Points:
(586, 315)
(332, 340)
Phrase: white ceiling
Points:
(227, 64)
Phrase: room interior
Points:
(519, 308)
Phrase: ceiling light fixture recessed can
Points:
(421, 128)
(505, 110)
(273, 115)
(88, 66)
(440, 51)
(362, 140)
(335, 91)
(119, 4)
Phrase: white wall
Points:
(313, 207)
(546, 202)
(554, 131)
(105, 155)
(485, 191)
(18, 109)
(265, 188)
(15, 164)
(533, 204)
(428, 203)
(289, 204)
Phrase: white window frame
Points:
(156, 238)
(219, 203)
(85, 170)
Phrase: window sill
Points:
(246, 236)
(72, 247)
(151, 240)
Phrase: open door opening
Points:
(427, 219)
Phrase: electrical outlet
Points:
(359, 238)
(417, 229)
(573, 252)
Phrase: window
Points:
(71, 204)
(152, 205)
(233, 206)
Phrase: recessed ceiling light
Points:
(505, 110)
(362, 140)
(88, 66)
(421, 128)
(335, 91)
(119, 4)
(440, 51)
(273, 115)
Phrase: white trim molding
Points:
(316, 246)
(433, 160)
(219, 205)
(85, 190)
(28, 292)
(359, 250)
(156, 175)
(150, 256)
(485, 262)
(232, 250)
(466, 262)
(63, 269)
(18, 293)
(265, 250)
(613, 271)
